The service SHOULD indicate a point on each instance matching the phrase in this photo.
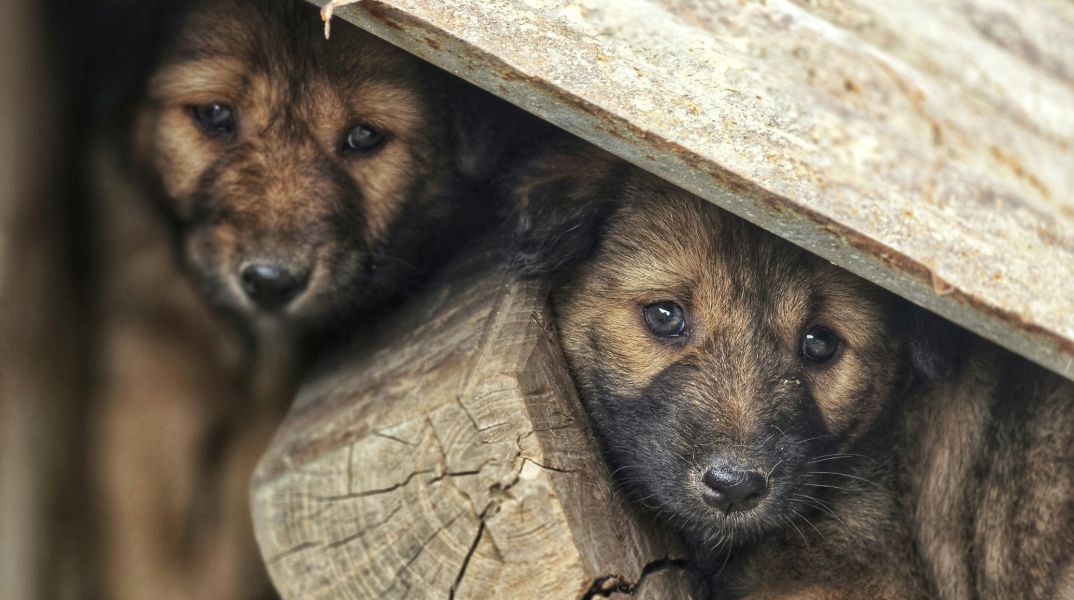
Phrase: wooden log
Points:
(454, 460)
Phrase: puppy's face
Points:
(726, 372)
(291, 163)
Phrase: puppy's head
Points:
(727, 372)
(305, 177)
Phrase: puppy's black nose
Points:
(730, 491)
(271, 287)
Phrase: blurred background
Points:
(70, 70)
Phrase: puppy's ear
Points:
(561, 202)
(486, 131)
(477, 141)
(933, 346)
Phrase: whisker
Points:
(861, 479)
(828, 457)
(814, 438)
(808, 522)
(822, 506)
(395, 260)
(725, 560)
(834, 487)
(791, 523)
(834, 514)
(680, 457)
(768, 477)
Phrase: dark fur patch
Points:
(560, 207)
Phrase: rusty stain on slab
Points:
(928, 147)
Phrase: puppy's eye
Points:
(819, 344)
(216, 119)
(362, 139)
(665, 319)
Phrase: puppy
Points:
(289, 191)
(308, 179)
(810, 434)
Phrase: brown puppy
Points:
(301, 187)
(803, 428)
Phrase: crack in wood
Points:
(554, 469)
(393, 438)
(293, 550)
(606, 585)
(436, 439)
(364, 530)
(406, 567)
(473, 421)
(350, 468)
(374, 492)
(470, 552)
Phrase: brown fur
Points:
(889, 468)
(194, 375)
(989, 466)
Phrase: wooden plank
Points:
(39, 398)
(455, 460)
(927, 146)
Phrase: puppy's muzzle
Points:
(270, 286)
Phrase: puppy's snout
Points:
(731, 490)
(272, 286)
